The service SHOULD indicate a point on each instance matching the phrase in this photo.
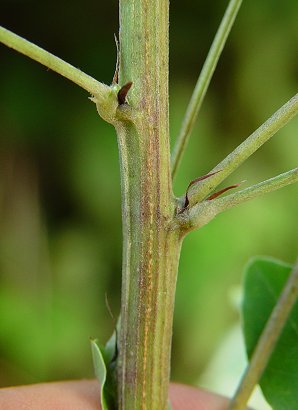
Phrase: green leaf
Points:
(99, 369)
(104, 361)
(264, 281)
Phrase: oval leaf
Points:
(264, 281)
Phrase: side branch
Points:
(254, 191)
(203, 82)
(204, 212)
(280, 118)
(267, 342)
(54, 63)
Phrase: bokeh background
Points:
(60, 215)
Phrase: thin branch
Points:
(204, 212)
(254, 191)
(38, 54)
(203, 82)
(279, 119)
(267, 342)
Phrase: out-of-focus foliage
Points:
(60, 215)
(265, 281)
(105, 369)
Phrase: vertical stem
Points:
(151, 250)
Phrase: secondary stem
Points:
(204, 79)
(42, 56)
(267, 342)
(254, 191)
(279, 119)
(203, 212)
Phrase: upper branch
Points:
(203, 82)
(202, 213)
(31, 50)
(201, 190)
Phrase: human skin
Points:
(84, 395)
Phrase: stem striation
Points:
(150, 249)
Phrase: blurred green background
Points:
(60, 216)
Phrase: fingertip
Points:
(68, 395)
(191, 398)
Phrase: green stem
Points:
(150, 249)
(254, 191)
(279, 119)
(267, 342)
(52, 62)
(205, 211)
(204, 79)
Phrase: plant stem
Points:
(151, 242)
(267, 342)
(205, 211)
(204, 79)
(150, 250)
(280, 118)
(42, 56)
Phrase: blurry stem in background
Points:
(204, 212)
(280, 118)
(54, 63)
(267, 342)
(201, 87)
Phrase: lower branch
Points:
(267, 342)
(202, 213)
(254, 191)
